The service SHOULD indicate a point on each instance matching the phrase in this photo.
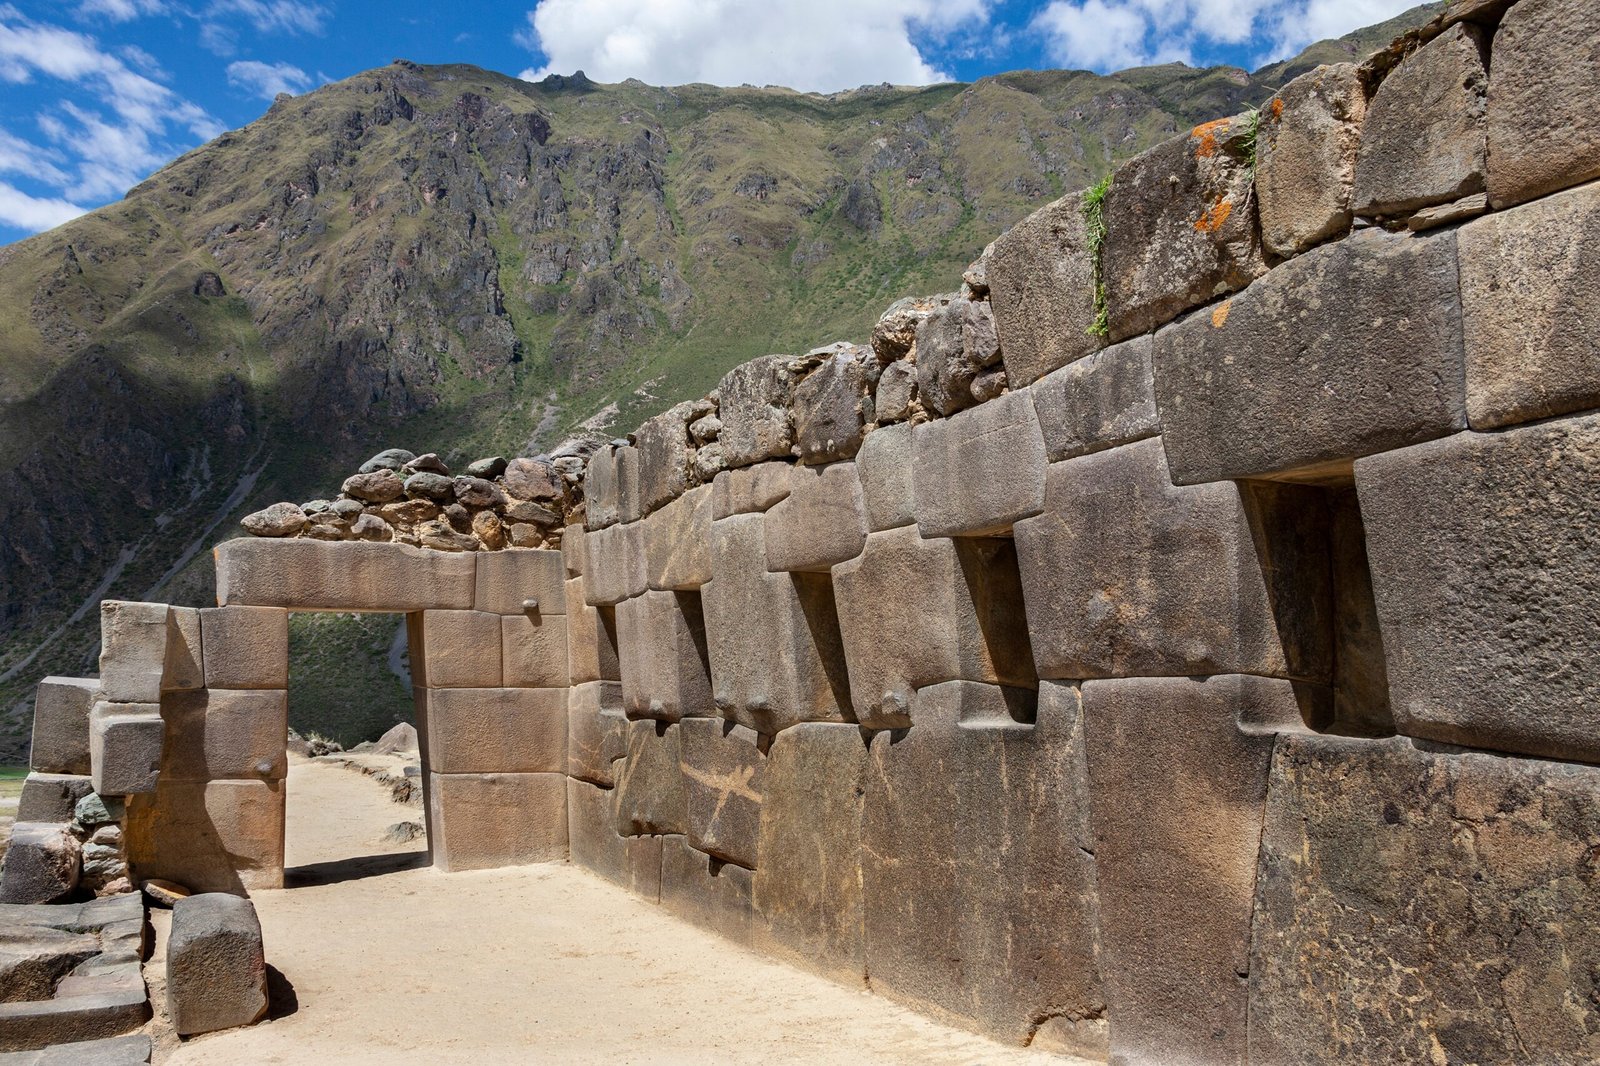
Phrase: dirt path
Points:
(543, 964)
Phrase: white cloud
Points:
(274, 16)
(121, 10)
(33, 213)
(18, 156)
(811, 45)
(267, 80)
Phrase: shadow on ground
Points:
(353, 869)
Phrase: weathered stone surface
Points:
(1398, 888)
(704, 891)
(133, 650)
(597, 732)
(1306, 149)
(111, 1051)
(1543, 128)
(1444, 214)
(979, 472)
(831, 408)
(807, 894)
(977, 865)
(51, 1023)
(1350, 349)
(822, 521)
(895, 334)
(439, 535)
(61, 707)
(497, 730)
(478, 492)
(754, 401)
(534, 650)
(748, 490)
(664, 454)
(1423, 139)
(884, 469)
(1180, 231)
(245, 647)
(896, 396)
(221, 733)
(354, 576)
(41, 864)
(650, 792)
(661, 640)
(944, 367)
(574, 554)
(611, 487)
(1482, 549)
(506, 581)
(125, 742)
(459, 649)
(915, 612)
(1530, 301)
(1101, 401)
(430, 486)
(773, 641)
(534, 480)
(1041, 284)
(481, 821)
(278, 520)
(677, 542)
(591, 638)
(490, 467)
(378, 486)
(723, 767)
(1176, 864)
(221, 836)
(617, 567)
(185, 666)
(51, 797)
(216, 964)
(592, 832)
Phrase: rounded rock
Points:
(389, 459)
(378, 486)
(279, 520)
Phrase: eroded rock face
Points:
(1306, 158)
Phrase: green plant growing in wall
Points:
(1094, 219)
(1252, 119)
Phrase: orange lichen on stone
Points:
(1219, 314)
(1277, 108)
(1214, 216)
(1206, 134)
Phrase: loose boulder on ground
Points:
(216, 967)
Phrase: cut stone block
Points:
(597, 732)
(1482, 550)
(832, 408)
(497, 730)
(650, 790)
(884, 468)
(71, 1021)
(51, 797)
(221, 836)
(534, 650)
(133, 650)
(896, 396)
(245, 647)
(111, 1051)
(1544, 132)
(976, 837)
(723, 768)
(978, 472)
(1179, 227)
(773, 639)
(1101, 401)
(304, 574)
(507, 580)
(125, 741)
(677, 542)
(592, 832)
(61, 707)
(748, 490)
(754, 405)
(185, 667)
(591, 638)
(704, 891)
(1530, 300)
(225, 734)
(822, 521)
(483, 821)
(666, 673)
(216, 964)
(915, 612)
(1176, 864)
(807, 894)
(1350, 349)
(643, 858)
(617, 567)
(664, 456)
(573, 555)
(1041, 284)
(41, 864)
(1306, 149)
(460, 649)
(611, 487)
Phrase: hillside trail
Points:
(391, 961)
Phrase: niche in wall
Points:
(993, 577)
(606, 634)
(815, 593)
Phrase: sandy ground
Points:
(390, 961)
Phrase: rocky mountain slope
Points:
(453, 260)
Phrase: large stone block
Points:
(666, 672)
(822, 521)
(1530, 302)
(460, 649)
(948, 360)
(592, 832)
(125, 741)
(1041, 285)
(1350, 349)
(650, 793)
(185, 670)
(1306, 150)
(664, 456)
(42, 863)
(70, 1030)
(617, 567)
(807, 894)
(1543, 128)
(611, 487)
(1423, 906)
(705, 891)
(1178, 770)
(773, 639)
(107, 1051)
(221, 733)
(748, 490)
(1179, 227)
(216, 964)
(574, 557)
(304, 574)
(591, 638)
(482, 821)
(1101, 401)
(978, 472)
(977, 866)
(915, 612)
(133, 650)
(677, 542)
(1482, 549)
(51, 797)
(884, 469)
(754, 405)
(507, 580)
(220, 836)
(245, 647)
(497, 730)
(723, 767)
(597, 731)
(832, 409)
(61, 707)
(534, 650)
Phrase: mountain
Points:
(447, 258)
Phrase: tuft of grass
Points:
(1094, 218)
(1251, 134)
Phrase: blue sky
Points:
(97, 94)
